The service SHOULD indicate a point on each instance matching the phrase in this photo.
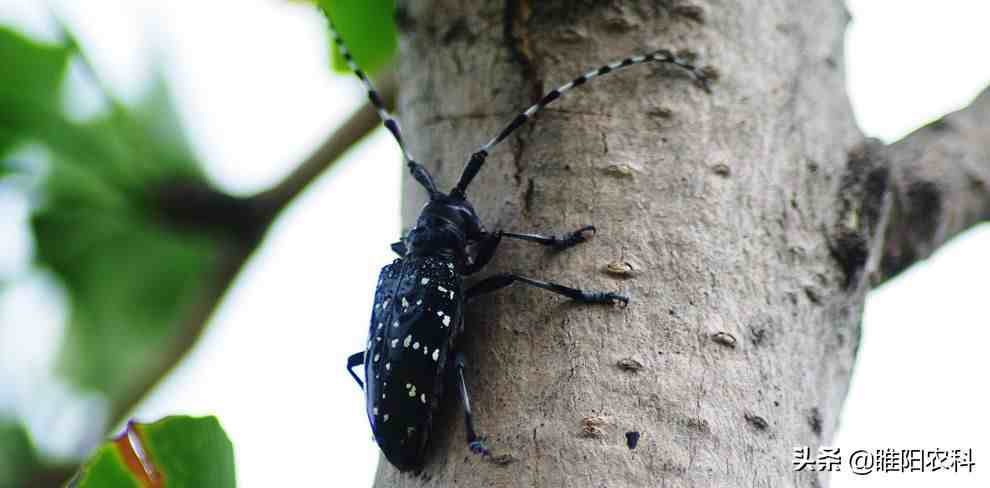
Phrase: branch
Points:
(939, 186)
(269, 203)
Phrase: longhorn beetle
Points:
(420, 297)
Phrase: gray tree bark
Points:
(746, 225)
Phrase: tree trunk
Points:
(745, 225)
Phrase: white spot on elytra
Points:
(416, 345)
(442, 289)
(388, 366)
(424, 281)
(451, 294)
(422, 397)
(385, 418)
(395, 342)
(407, 341)
(374, 411)
(450, 265)
(408, 385)
(386, 303)
(380, 325)
(405, 303)
(376, 358)
(395, 324)
(446, 320)
(436, 354)
(419, 302)
(412, 391)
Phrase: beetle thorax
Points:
(444, 227)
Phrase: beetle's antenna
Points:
(418, 171)
(477, 159)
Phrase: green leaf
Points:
(29, 85)
(368, 30)
(130, 279)
(17, 454)
(177, 452)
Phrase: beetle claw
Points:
(479, 447)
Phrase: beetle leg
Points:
(485, 252)
(499, 281)
(353, 360)
(565, 241)
(399, 247)
(475, 442)
(488, 244)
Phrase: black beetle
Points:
(420, 297)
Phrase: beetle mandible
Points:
(420, 297)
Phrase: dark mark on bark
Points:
(710, 73)
(924, 207)
(698, 425)
(501, 459)
(629, 364)
(756, 421)
(724, 338)
(528, 195)
(940, 125)
(660, 112)
(619, 23)
(620, 269)
(457, 31)
(632, 438)
(813, 294)
(593, 426)
(862, 198)
(758, 335)
(722, 169)
(815, 421)
(517, 13)
(403, 21)
(619, 170)
(693, 12)
(920, 206)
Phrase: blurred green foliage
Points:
(17, 456)
(129, 277)
(183, 451)
(29, 82)
(368, 30)
(131, 273)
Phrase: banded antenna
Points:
(418, 171)
(477, 159)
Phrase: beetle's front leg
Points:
(561, 243)
(497, 282)
(475, 442)
(490, 241)
(356, 359)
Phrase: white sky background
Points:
(255, 94)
